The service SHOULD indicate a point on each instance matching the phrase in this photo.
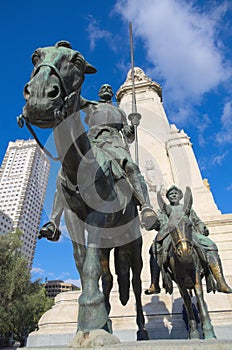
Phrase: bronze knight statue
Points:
(99, 188)
(108, 130)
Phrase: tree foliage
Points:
(22, 302)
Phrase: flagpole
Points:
(134, 117)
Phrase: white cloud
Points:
(63, 275)
(73, 281)
(96, 33)
(37, 271)
(204, 123)
(217, 160)
(225, 135)
(229, 188)
(182, 45)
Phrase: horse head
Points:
(55, 84)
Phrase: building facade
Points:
(55, 287)
(6, 223)
(23, 182)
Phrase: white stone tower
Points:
(166, 154)
(23, 182)
(167, 157)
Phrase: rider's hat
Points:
(174, 187)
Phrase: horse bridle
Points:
(57, 73)
(182, 240)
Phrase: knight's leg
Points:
(148, 216)
(215, 266)
(155, 272)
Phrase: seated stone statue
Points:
(205, 247)
(109, 130)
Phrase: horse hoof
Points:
(209, 334)
(142, 335)
(194, 335)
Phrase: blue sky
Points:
(186, 46)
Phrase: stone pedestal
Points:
(159, 344)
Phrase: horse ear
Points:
(163, 206)
(63, 43)
(89, 69)
(188, 200)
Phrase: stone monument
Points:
(166, 156)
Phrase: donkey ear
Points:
(163, 206)
(188, 200)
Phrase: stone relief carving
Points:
(139, 76)
(153, 177)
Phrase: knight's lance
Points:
(134, 117)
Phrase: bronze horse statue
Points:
(93, 201)
(184, 266)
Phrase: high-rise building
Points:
(6, 223)
(23, 182)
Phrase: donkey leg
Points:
(207, 327)
(193, 332)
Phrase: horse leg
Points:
(122, 269)
(75, 228)
(107, 278)
(206, 324)
(92, 310)
(193, 332)
(136, 266)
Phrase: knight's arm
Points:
(127, 130)
(198, 224)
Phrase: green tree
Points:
(22, 302)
